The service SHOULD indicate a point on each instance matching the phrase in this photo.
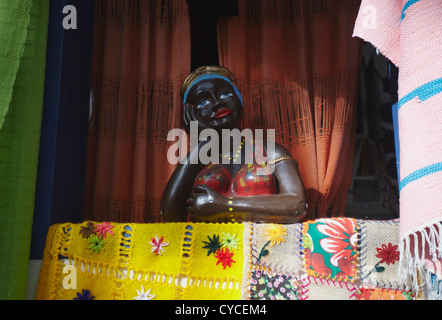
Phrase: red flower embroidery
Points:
(224, 257)
(388, 253)
(103, 229)
(158, 244)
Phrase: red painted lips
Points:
(221, 113)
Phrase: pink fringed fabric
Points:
(409, 33)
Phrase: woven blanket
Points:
(14, 23)
(23, 43)
(338, 258)
(409, 33)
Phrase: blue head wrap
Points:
(212, 76)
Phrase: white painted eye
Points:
(203, 103)
(226, 95)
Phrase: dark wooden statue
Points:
(237, 187)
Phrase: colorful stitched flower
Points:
(264, 251)
(144, 295)
(224, 257)
(88, 230)
(103, 229)
(276, 233)
(85, 295)
(96, 243)
(213, 244)
(229, 241)
(341, 240)
(158, 244)
(388, 253)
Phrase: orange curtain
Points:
(297, 66)
(141, 55)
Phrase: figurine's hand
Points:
(189, 114)
(204, 201)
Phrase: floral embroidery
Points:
(213, 244)
(103, 229)
(276, 233)
(222, 250)
(268, 285)
(88, 230)
(376, 268)
(388, 253)
(144, 295)
(229, 241)
(264, 251)
(330, 248)
(224, 257)
(158, 244)
(85, 295)
(96, 243)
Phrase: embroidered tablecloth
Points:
(338, 258)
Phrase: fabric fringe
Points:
(292, 125)
(416, 249)
(124, 210)
(304, 132)
(306, 90)
(285, 12)
(433, 286)
(141, 55)
(129, 110)
(121, 11)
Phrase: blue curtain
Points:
(62, 157)
(394, 97)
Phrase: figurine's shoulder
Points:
(278, 151)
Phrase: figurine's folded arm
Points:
(287, 206)
(178, 189)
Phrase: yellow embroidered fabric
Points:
(113, 261)
(338, 258)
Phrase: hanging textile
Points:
(332, 259)
(409, 34)
(23, 35)
(14, 24)
(141, 55)
(297, 66)
(62, 156)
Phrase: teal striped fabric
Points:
(434, 168)
(424, 92)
